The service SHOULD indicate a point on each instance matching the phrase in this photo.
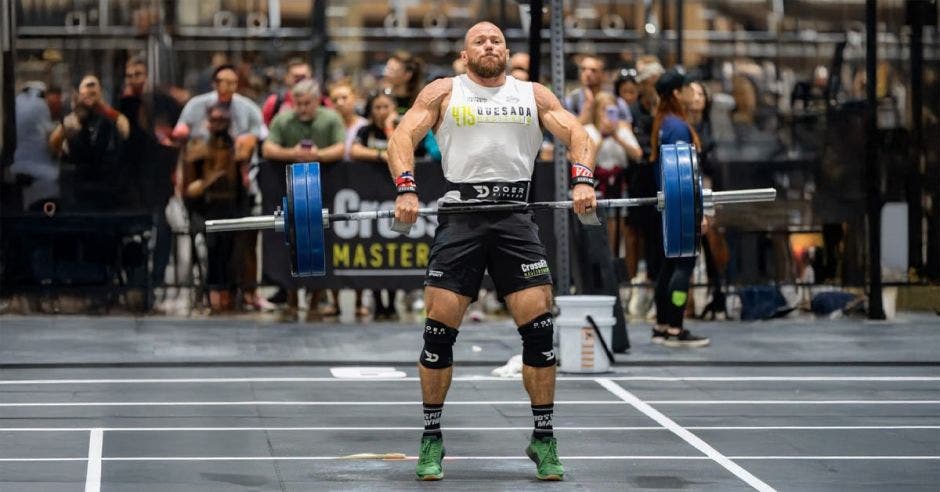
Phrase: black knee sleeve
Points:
(438, 351)
(537, 350)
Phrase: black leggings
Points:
(672, 290)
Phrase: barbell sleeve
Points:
(276, 221)
(740, 196)
(253, 223)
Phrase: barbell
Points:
(682, 202)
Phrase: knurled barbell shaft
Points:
(276, 221)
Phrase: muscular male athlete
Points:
(488, 126)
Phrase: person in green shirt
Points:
(306, 133)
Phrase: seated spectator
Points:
(91, 138)
(214, 189)
(33, 167)
(306, 133)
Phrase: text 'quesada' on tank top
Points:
(489, 133)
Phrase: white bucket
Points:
(579, 348)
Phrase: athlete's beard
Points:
(487, 67)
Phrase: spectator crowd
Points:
(223, 153)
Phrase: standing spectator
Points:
(306, 133)
(404, 79)
(245, 128)
(627, 91)
(581, 100)
(371, 145)
(343, 97)
(214, 189)
(672, 280)
(519, 66)
(271, 178)
(616, 146)
(90, 138)
(698, 108)
(754, 138)
(150, 154)
(34, 175)
(33, 166)
(344, 102)
(282, 100)
(714, 248)
(54, 101)
(642, 179)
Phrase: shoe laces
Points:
(426, 456)
(551, 453)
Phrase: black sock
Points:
(432, 419)
(542, 414)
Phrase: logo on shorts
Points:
(431, 357)
(549, 355)
(530, 270)
(435, 273)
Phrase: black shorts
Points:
(505, 243)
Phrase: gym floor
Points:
(203, 405)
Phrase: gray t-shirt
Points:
(246, 115)
(32, 157)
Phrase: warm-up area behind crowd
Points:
(303, 245)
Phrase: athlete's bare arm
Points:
(566, 127)
(423, 115)
(414, 125)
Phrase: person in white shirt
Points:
(616, 147)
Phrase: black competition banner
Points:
(367, 254)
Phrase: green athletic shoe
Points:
(429, 458)
(544, 452)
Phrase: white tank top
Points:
(489, 133)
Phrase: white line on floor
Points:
(328, 429)
(794, 402)
(93, 475)
(471, 429)
(685, 435)
(17, 460)
(415, 403)
(474, 378)
(288, 403)
(456, 458)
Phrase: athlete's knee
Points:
(438, 350)
(537, 350)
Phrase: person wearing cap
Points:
(670, 126)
